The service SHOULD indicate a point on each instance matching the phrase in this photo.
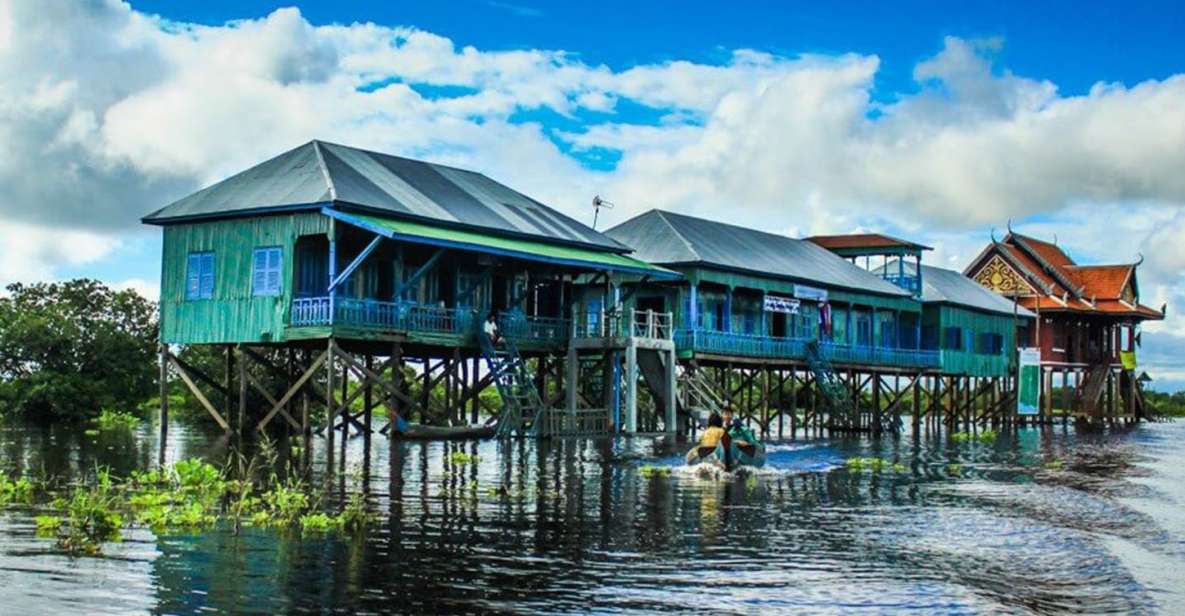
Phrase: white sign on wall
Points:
(814, 294)
(774, 303)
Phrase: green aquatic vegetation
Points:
(1054, 465)
(355, 517)
(92, 518)
(19, 490)
(654, 471)
(954, 469)
(48, 525)
(284, 505)
(874, 465)
(317, 523)
(460, 457)
(116, 420)
(985, 437)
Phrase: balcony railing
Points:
(727, 343)
(615, 324)
(414, 317)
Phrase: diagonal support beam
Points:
(198, 393)
(418, 274)
(356, 263)
(292, 391)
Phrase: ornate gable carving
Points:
(998, 276)
(1129, 294)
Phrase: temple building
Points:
(1087, 326)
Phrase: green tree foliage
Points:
(69, 349)
(1169, 405)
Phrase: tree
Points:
(69, 349)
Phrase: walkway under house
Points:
(333, 281)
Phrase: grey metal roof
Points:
(940, 285)
(666, 238)
(319, 173)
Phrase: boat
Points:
(421, 432)
(728, 455)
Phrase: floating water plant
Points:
(987, 436)
(460, 457)
(18, 490)
(874, 465)
(954, 469)
(654, 471)
(1054, 465)
(116, 420)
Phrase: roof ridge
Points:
(390, 155)
(686, 243)
(1057, 274)
(325, 170)
(735, 226)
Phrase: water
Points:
(576, 526)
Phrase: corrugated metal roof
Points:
(320, 173)
(940, 285)
(667, 238)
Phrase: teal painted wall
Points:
(233, 314)
(970, 362)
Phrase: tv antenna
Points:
(599, 203)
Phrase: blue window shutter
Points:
(273, 271)
(207, 282)
(266, 265)
(193, 271)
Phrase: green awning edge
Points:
(423, 233)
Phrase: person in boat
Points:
(737, 432)
(711, 437)
(491, 329)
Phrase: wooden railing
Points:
(746, 345)
(615, 324)
(410, 316)
(582, 422)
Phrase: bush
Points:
(69, 349)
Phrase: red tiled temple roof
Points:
(1063, 285)
(863, 240)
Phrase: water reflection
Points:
(1040, 521)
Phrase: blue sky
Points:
(931, 120)
(1075, 44)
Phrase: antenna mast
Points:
(599, 203)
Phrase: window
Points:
(266, 264)
(199, 275)
(952, 338)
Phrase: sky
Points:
(935, 121)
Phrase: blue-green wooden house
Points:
(750, 294)
(329, 240)
(973, 329)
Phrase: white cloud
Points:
(107, 114)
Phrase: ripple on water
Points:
(574, 526)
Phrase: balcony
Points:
(635, 323)
(412, 317)
(769, 347)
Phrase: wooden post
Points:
(367, 399)
(242, 389)
(164, 404)
(228, 361)
(330, 403)
(916, 405)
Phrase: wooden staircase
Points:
(520, 399)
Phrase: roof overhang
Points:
(461, 239)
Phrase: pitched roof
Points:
(863, 240)
(943, 286)
(1062, 284)
(667, 238)
(317, 174)
(1102, 281)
